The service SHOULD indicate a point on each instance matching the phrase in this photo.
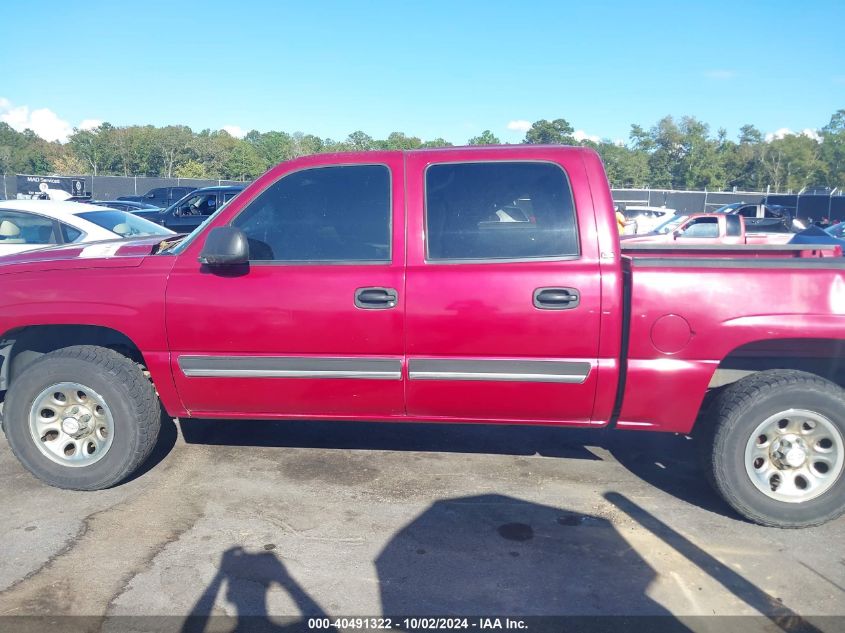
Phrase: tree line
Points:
(674, 153)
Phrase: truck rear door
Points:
(503, 287)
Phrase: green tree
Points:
(701, 165)
(272, 147)
(398, 140)
(663, 143)
(191, 169)
(242, 162)
(625, 167)
(485, 138)
(557, 132)
(681, 155)
(172, 144)
(832, 150)
(360, 142)
(437, 142)
(742, 162)
(793, 162)
(305, 144)
(94, 147)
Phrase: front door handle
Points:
(556, 298)
(375, 298)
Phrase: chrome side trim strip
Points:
(574, 372)
(290, 367)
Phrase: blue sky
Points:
(433, 68)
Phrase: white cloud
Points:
(785, 131)
(777, 134)
(43, 121)
(234, 130)
(89, 124)
(581, 135)
(720, 74)
(619, 142)
(519, 125)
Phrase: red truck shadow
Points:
(666, 461)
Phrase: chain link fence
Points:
(112, 187)
(811, 206)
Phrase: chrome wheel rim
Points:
(795, 456)
(71, 424)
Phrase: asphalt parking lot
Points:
(303, 518)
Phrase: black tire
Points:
(128, 393)
(736, 414)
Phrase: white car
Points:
(26, 225)
(641, 220)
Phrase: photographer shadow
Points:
(247, 579)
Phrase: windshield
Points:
(727, 208)
(124, 224)
(670, 224)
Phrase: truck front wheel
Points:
(82, 417)
(777, 448)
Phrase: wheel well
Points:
(822, 357)
(20, 347)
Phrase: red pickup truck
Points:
(710, 228)
(466, 285)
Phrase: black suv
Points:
(187, 213)
(161, 197)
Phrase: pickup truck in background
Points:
(761, 213)
(462, 285)
(187, 213)
(161, 197)
(713, 228)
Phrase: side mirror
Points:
(676, 234)
(225, 246)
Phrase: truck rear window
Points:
(499, 210)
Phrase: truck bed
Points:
(732, 251)
(698, 310)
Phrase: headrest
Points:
(9, 229)
(121, 229)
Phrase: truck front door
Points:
(313, 326)
(503, 288)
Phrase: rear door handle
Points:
(375, 298)
(556, 298)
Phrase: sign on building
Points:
(49, 187)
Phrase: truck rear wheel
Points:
(777, 441)
(82, 417)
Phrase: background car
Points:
(186, 214)
(160, 197)
(762, 214)
(837, 230)
(817, 235)
(126, 205)
(27, 225)
(645, 219)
